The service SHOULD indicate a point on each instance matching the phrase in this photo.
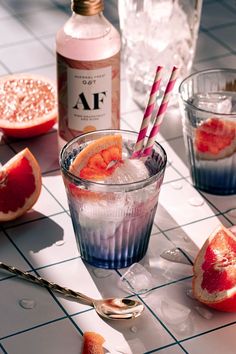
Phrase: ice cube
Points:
(136, 280)
(213, 102)
(131, 170)
(174, 313)
(92, 216)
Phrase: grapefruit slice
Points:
(20, 185)
(214, 271)
(93, 343)
(27, 105)
(93, 162)
(215, 139)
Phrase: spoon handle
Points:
(47, 284)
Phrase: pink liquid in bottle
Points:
(88, 72)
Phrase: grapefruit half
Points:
(93, 162)
(214, 271)
(93, 343)
(27, 105)
(20, 185)
(215, 139)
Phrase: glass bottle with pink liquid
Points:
(88, 72)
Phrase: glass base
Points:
(116, 264)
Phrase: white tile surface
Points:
(29, 55)
(226, 35)
(226, 61)
(38, 240)
(216, 14)
(44, 239)
(208, 48)
(175, 207)
(73, 274)
(12, 291)
(54, 183)
(10, 255)
(40, 22)
(56, 337)
(147, 335)
(3, 70)
(44, 148)
(216, 342)
(191, 237)
(194, 323)
(13, 32)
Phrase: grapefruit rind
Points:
(93, 343)
(34, 127)
(215, 286)
(92, 163)
(31, 200)
(215, 139)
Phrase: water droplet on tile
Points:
(189, 293)
(27, 304)
(174, 255)
(60, 243)
(133, 329)
(205, 313)
(196, 201)
(185, 238)
(177, 185)
(232, 213)
(170, 161)
(101, 273)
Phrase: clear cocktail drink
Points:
(113, 217)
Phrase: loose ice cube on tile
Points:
(136, 280)
(173, 312)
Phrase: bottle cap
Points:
(87, 7)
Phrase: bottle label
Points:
(88, 95)
(89, 98)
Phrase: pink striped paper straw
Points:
(161, 112)
(148, 113)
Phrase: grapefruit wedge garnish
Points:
(28, 105)
(214, 271)
(215, 139)
(92, 343)
(20, 185)
(94, 162)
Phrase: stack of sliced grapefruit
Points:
(214, 271)
(20, 185)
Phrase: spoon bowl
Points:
(116, 308)
(112, 308)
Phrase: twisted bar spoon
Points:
(112, 308)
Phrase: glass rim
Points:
(201, 72)
(102, 187)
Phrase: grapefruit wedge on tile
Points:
(93, 162)
(20, 185)
(28, 105)
(92, 343)
(214, 271)
(215, 139)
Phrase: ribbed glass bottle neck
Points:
(87, 7)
